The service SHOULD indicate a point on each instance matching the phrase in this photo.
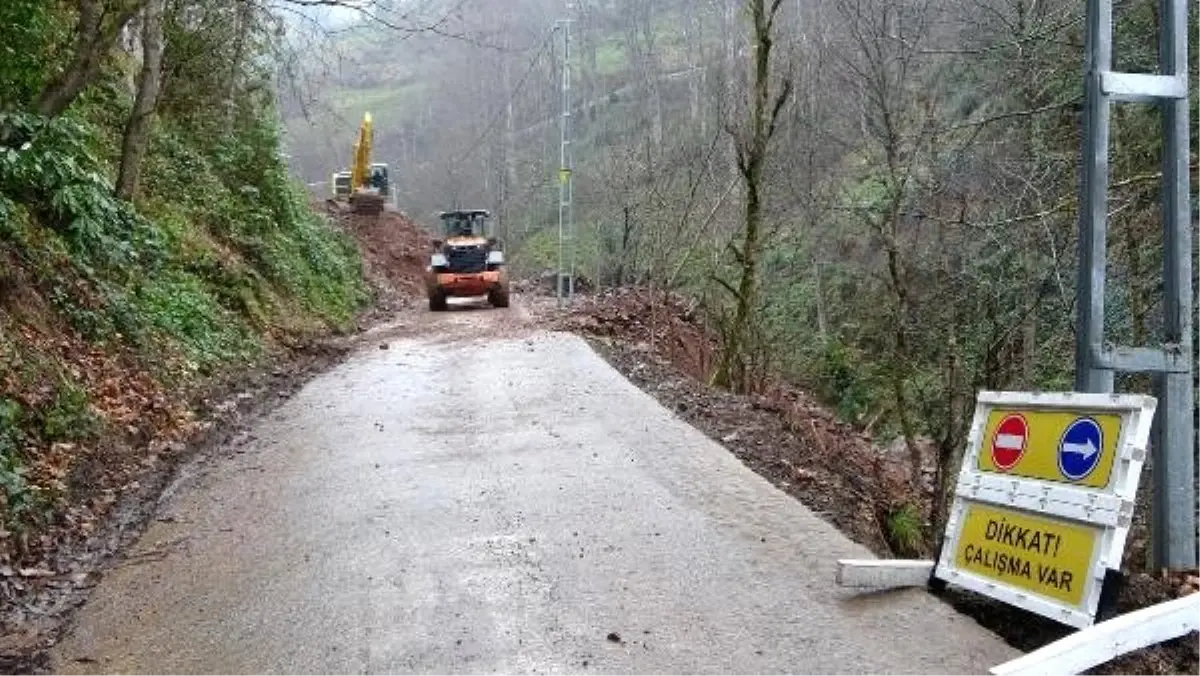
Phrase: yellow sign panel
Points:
(1070, 447)
(563, 175)
(1045, 556)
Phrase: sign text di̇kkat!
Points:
(1044, 499)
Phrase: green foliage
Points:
(321, 266)
(69, 417)
(844, 381)
(869, 194)
(27, 29)
(180, 306)
(52, 166)
(258, 210)
(906, 530)
(539, 251)
(610, 57)
(8, 216)
(19, 497)
(160, 279)
(11, 435)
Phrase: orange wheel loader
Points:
(468, 263)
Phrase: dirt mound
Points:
(654, 338)
(662, 323)
(395, 252)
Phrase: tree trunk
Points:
(245, 17)
(96, 32)
(137, 130)
(822, 321)
(731, 369)
(752, 156)
(623, 257)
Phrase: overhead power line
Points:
(546, 42)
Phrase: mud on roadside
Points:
(36, 608)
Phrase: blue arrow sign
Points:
(1080, 448)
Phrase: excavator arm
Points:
(360, 167)
(365, 198)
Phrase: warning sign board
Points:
(1041, 455)
(1045, 497)
(1046, 556)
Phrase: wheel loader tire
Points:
(437, 303)
(498, 298)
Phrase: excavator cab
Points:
(342, 186)
(379, 178)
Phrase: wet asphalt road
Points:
(508, 504)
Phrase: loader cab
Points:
(474, 223)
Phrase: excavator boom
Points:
(368, 182)
(360, 168)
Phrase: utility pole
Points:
(566, 225)
(1173, 512)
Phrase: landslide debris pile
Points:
(666, 324)
(395, 251)
(661, 344)
(781, 433)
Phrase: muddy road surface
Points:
(481, 496)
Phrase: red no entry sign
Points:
(1009, 440)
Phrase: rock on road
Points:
(483, 496)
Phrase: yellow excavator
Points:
(368, 188)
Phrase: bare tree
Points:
(751, 147)
(885, 41)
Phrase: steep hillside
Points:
(125, 319)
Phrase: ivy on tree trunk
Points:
(751, 160)
(137, 130)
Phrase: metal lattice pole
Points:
(1174, 542)
(565, 225)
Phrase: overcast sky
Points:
(334, 16)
